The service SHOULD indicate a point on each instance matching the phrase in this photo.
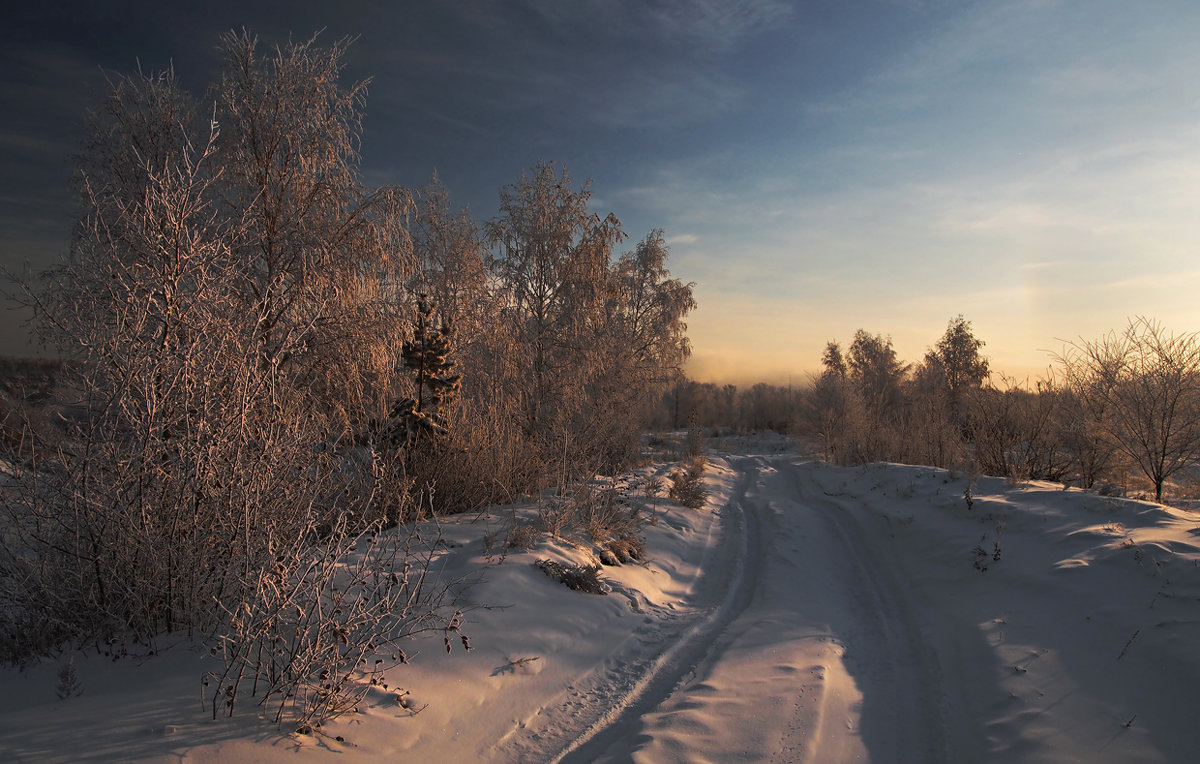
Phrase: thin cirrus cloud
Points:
(716, 24)
(633, 65)
(701, 25)
(816, 167)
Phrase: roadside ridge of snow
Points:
(674, 665)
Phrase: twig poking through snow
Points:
(1126, 647)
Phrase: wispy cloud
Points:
(716, 23)
(1043, 265)
(24, 142)
(632, 64)
(646, 98)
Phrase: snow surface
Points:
(809, 613)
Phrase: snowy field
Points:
(808, 613)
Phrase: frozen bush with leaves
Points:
(687, 484)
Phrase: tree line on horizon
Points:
(263, 356)
(1121, 411)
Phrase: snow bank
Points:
(542, 653)
(1064, 623)
(809, 612)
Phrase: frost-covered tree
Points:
(593, 341)
(450, 249)
(876, 372)
(704, 404)
(552, 264)
(1084, 429)
(1146, 381)
(180, 473)
(648, 308)
(226, 308)
(933, 435)
(832, 359)
(320, 253)
(958, 354)
(639, 345)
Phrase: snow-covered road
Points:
(811, 613)
(810, 651)
(873, 614)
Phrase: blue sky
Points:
(816, 166)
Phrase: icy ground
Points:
(809, 613)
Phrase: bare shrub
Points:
(555, 515)
(27, 419)
(582, 578)
(1081, 432)
(622, 549)
(971, 472)
(652, 489)
(522, 536)
(484, 459)
(598, 512)
(1014, 431)
(68, 680)
(695, 442)
(604, 515)
(612, 525)
(326, 622)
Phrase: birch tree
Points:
(227, 309)
(321, 254)
(1144, 384)
(552, 265)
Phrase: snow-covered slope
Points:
(810, 612)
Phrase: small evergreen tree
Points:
(427, 354)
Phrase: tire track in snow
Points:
(902, 715)
(898, 673)
(677, 663)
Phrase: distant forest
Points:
(1120, 413)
